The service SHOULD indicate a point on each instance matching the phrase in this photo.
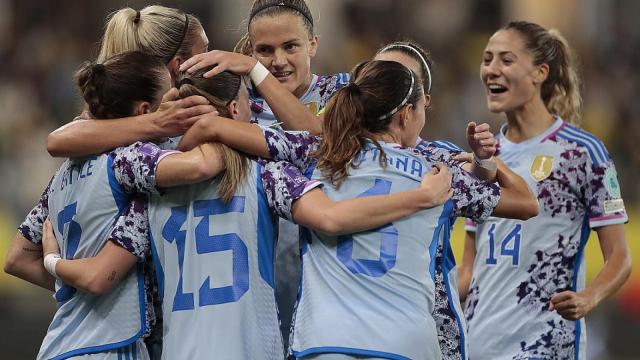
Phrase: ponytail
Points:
(362, 110)
(564, 96)
(560, 92)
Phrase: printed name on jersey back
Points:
(77, 170)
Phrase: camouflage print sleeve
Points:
(131, 231)
(31, 227)
(603, 198)
(135, 166)
(283, 184)
(294, 147)
(472, 197)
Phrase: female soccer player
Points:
(187, 255)
(84, 198)
(349, 284)
(527, 296)
(171, 35)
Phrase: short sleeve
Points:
(134, 166)
(131, 230)
(294, 147)
(283, 184)
(31, 227)
(472, 198)
(603, 198)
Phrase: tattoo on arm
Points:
(32, 250)
(112, 276)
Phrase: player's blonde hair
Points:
(220, 90)
(561, 90)
(155, 30)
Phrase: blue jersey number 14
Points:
(509, 246)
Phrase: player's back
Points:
(84, 201)
(214, 261)
(372, 293)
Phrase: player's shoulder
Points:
(592, 145)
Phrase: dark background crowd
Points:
(43, 42)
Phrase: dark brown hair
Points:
(416, 52)
(561, 90)
(112, 89)
(273, 8)
(361, 110)
(220, 90)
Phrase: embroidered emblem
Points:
(541, 167)
(611, 183)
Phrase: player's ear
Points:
(142, 107)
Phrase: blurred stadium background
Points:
(42, 42)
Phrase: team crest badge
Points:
(313, 106)
(541, 167)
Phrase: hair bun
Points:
(98, 69)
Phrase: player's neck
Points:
(528, 121)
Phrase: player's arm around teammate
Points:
(167, 33)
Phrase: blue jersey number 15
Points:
(206, 243)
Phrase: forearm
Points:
(193, 166)
(24, 260)
(238, 135)
(617, 263)
(86, 137)
(516, 199)
(360, 214)
(465, 271)
(287, 108)
(99, 274)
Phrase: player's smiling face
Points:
(282, 44)
(508, 72)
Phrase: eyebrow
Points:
(284, 43)
(500, 53)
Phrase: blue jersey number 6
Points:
(388, 242)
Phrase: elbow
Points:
(95, 285)
(55, 145)
(11, 266)
(530, 209)
(332, 227)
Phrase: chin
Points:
(495, 108)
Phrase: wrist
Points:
(258, 73)
(486, 164)
(50, 261)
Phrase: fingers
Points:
(561, 296)
(192, 100)
(215, 71)
(199, 61)
(170, 95)
(471, 129)
(464, 157)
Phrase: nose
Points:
(279, 58)
(490, 69)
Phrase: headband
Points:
(290, 6)
(184, 35)
(403, 103)
(413, 50)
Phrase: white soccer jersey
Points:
(519, 265)
(375, 293)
